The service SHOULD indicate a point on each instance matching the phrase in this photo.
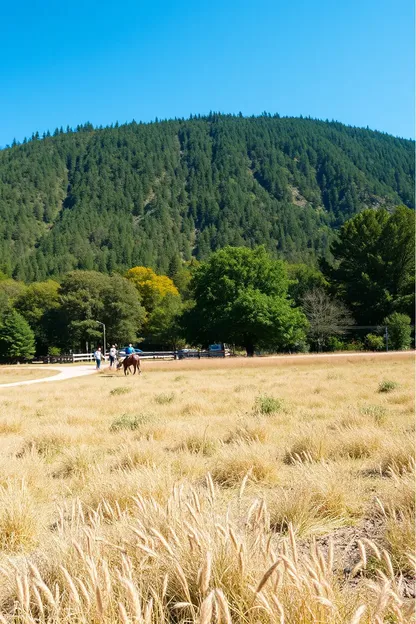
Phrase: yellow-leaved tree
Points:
(162, 302)
(152, 288)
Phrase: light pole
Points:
(99, 322)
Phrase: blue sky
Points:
(67, 63)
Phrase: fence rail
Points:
(54, 359)
(145, 355)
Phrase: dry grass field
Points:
(244, 492)
(10, 374)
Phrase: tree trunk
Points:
(249, 349)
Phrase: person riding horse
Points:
(131, 359)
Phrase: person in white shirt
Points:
(98, 355)
(113, 356)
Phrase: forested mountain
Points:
(153, 194)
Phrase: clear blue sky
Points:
(70, 62)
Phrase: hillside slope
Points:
(112, 198)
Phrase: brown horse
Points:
(130, 360)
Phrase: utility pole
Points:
(104, 346)
(387, 338)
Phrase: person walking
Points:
(98, 355)
(113, 356)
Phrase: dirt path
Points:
(64, 372)
(69, 372)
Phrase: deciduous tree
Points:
(241, 298)
(152, 288)
(88, 296)
(327, 317)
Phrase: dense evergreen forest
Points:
(156, 194)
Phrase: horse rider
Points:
(129, 350)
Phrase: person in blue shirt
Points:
(129, 349)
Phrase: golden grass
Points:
(210, 492)
(10, 374)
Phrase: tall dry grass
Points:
(249, 494)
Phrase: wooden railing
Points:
(146, 355)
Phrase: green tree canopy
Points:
(399, 331)
(38, 304)
(158, 194)
(241, 298)
(10, 291)
(17, 340)
(88, 296)
(303, 279)
(163, 324)
(375, 264)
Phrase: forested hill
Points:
(151, 194)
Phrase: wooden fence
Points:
(146, 355)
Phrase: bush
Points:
(267, 404)
(54, 351)
(354, 345)
(374, 342)
(387, 386)
(335, 344)
(301, 347)
(399, 331)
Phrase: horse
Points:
(130, 360)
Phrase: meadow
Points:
(11, 374)
(238, 491)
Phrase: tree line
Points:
(108, 199)
(242, 296)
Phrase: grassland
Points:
(11, 374)
(244, 491)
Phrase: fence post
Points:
(387, 338)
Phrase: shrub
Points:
(54, 351)
(387, 386)
(354, 345)
(120, 390)
(129, 422)
(335, 344)
(374, 342)
(399, 331)
(267, 405)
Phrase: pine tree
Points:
(17, 340)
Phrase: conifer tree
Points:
(17, 340)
